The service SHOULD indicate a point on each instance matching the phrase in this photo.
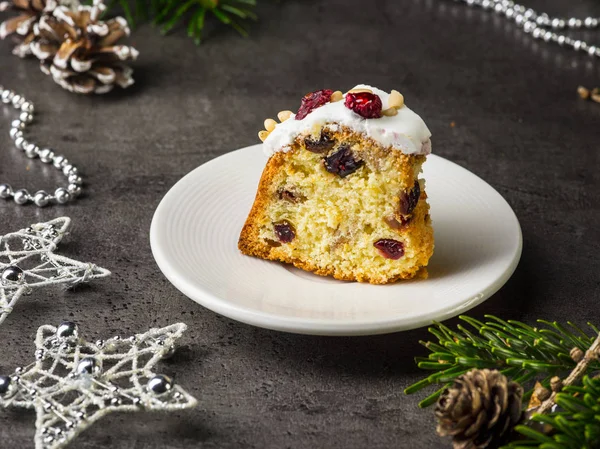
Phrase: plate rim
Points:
(266, 320)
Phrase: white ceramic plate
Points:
(194, 238)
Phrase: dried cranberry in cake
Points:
(365, 104)
(389, 248)
(409, 200)
(312, 101)
(323, 145)
(284, 231)
(287, 195)
(342, 162)
(396, 222)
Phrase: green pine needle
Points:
(575, 426)
(168, 14)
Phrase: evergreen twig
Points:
(191, 13)
(519, 351)
(575, 426)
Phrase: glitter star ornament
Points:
(74, 383)
(28, 262)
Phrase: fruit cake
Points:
(340, 195)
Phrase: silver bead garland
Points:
(41, 198)
(541, 25)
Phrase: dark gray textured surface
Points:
(518, 124)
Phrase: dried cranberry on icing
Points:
(284, 231)
(365, 104)
(409, 200)
(312, 101)
(389, 248)
(342, 162)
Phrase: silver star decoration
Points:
(74, 383)
(28, 261)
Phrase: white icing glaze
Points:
(406, 131)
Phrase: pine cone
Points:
(21, 26)
(479, 410)
(78, 50)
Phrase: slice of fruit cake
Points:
(341, 195)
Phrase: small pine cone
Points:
(479, 410)
(21, 26)
(79, 51)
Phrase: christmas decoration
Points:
(561, 412)
(479, 410)
(169, 13)
(28, 262)
(541, 25)
(75, 383)
(21, 26)
(41, 198)
(79, 50)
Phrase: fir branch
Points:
(575, 426)
(191, 13)
(519, 351)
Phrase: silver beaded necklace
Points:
(541, 25)
(41, 198)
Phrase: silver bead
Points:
(41, 199)
(529, 26)
(32, 151)
(7, 96)
(27, 107)
(74, 189)
(7, 389)
(561, 40)
(12, 275)
(67, 330)
(58, 160)
(6, 191)
(530, 14)
(46, 155)
(88, 366)
(589, 22)
(17, 101)
(40, 354)
(26, 117)
(100, 343)
(62, 195)
(486, 4)
(69, 169)
(15, 132)
(558, 23)
(577, 45)
(537, 33)
(160, 384)
(548, 36)
(20, 142)
(499, 8)
(519, 19)
(21, 196)
(75, 179)
(18, 124)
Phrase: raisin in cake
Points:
(341, 195)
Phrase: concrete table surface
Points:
(497, 102)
